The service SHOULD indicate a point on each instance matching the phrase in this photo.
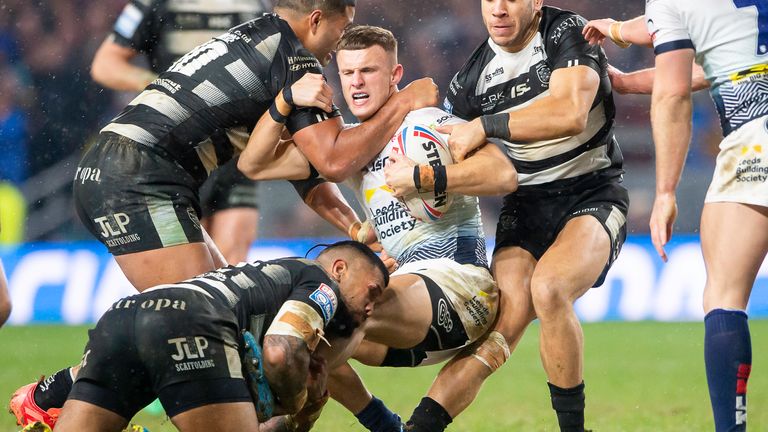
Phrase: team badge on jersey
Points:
(326, 299)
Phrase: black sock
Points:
(376, 417)
(569, 406)
(429, 416)
(52, 392)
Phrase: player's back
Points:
(730, 39)
(255, 292)
(457, 235)
(226, 83)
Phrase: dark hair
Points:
(363, 251)
(365, 36)
(307, 6)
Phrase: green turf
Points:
(640, 377)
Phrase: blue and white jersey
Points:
(457, 235)
(730, 38)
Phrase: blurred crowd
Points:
(50, 107)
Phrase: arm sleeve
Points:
(135, 27)
(567, 47)
(303, 187)
(666, 27)
(313, 287)
(457, 101)
(294, 66)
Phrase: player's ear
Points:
(397, 74)
(339, 268)
(314, 20)
(537, 4)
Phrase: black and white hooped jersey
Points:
(256, 291)
(730, 39)
(165, 30)
(220, 87)
(495, 81)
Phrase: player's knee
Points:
(493, 351)
(548, 296)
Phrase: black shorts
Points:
(132, 199)
(533, 221)
(446, 332)
(227, 188)
(174, 344)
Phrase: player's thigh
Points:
(402, 316)
(513, 267)
(734, 241)
(236, 416)
(371, 353)
(79, 416)
(234, 230)
(165, 265)
(559, 275)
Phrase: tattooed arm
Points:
(286, 365)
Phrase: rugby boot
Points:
(26, 411)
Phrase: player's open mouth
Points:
(359, 98)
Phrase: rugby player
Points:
(442, 299)
(183, 342)
(729, 41)
(537, 87)
(136, 187)
(163, 31)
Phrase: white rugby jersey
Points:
(495, 81)
(457, 235)
(730, 38)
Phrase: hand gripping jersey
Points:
(495, 81)
(165, 30)
(224, 84)
(458, 235)
(730, 38)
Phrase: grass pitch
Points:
(640, 376)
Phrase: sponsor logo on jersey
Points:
(478, 311)
(444, 316)
(297, 63)
(499, 71)
(571, 22)
(378, 164)
(326, 299)
(84, 174)
(191, 349)
(392, 219)
(543, 73)
(114, 229)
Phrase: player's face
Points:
(329, 31)
(361, 285)
(368, 78)
(510, 22)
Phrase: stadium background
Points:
(636, 371)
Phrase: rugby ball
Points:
(424, 145)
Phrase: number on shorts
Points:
(762, 22)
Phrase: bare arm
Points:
(562, 113)
(328, 202)
(112, 68)
(622, 33)
(338, 153)
(5, 299)
(468, 177)
(286, 365)
(641, 82)
(671, 109)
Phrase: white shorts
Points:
(741, 173)
(470, 289)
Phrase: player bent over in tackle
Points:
(184, 342)
(442, 299)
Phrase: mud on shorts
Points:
(741, 172)
(228, 188)
(133, 199)
(533, 221)
(175, 344)
(464, 304)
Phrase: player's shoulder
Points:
(432, 117)
(556, 22)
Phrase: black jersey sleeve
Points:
(457, 100)
(304, 187)
(566, 46)
(136, 27)
(311, 285)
